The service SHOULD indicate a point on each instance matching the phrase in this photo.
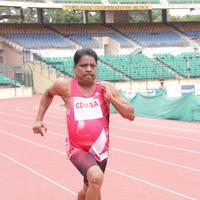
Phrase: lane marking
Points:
(156, 144)
(155, 159)
(154, 133)
(112, 148)
(125, 138)
(110, 169)
(18, 109)
(151, 184)
(117, 127)
(31, 142)
(38, 174)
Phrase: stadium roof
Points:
(49, 4)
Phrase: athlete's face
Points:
(85, 70)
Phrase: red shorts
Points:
(83, 160)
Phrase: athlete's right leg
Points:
(95, 180)
(82, 193)
(92, 172)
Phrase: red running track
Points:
(150, 159)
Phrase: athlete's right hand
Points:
(39, 128)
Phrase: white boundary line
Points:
(121, 137)
(129, 139)
(156, 160)
(112, 170)
(154, 133)
(112, 148)
(38, 174)
(156, 144)
(19, 109)
(152, 184)
(117, 127)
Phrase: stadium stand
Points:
(89, 35)
(65, 65)
(4, 81)
(35, 1)
(78, 1)
(183, 1)
(132, 62)
(182, 63)
(151, 34)
(132, 1)
(138, 67)
(191, 29)
(34, 36)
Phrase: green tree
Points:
(61, 16)
(94, 17)
(138, 16)
(30, 15)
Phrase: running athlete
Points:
(87, 101)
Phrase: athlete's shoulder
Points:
(62, 81)
(60, 86)
(106, 83)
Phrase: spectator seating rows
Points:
(138, 67)
(151, 34)
(191, 29)
(34, 36)
(65, 65)
(184, 1)
(7, 81)
(182, 62)
(90, 35)
(78, 1)
(132, 1)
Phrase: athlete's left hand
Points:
(107, 89)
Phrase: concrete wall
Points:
(121, 17)
(43, 76)
(116, 16)
(111, 47)
(12, 56)
(173, 86)
(6, 93)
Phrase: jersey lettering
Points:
(87, 108)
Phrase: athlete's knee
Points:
(95, 176)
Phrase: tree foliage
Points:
(61, 16)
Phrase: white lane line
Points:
(154, 133)
(112, 148)
(31, 142)
(129, 139)
(38, 174)
(152, 184)
(122, 120)
(125, 128)
(156, 144)
(160, 126)
(114, 171)
(155, 159)
(118, 127)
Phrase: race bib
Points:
(87, 108)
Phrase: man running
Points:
(87, 101)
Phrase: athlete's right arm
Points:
(57, 88)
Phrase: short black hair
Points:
(82, 52)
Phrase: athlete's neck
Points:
(87, 90)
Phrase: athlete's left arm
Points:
(125, 109)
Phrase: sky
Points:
(183, 12)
